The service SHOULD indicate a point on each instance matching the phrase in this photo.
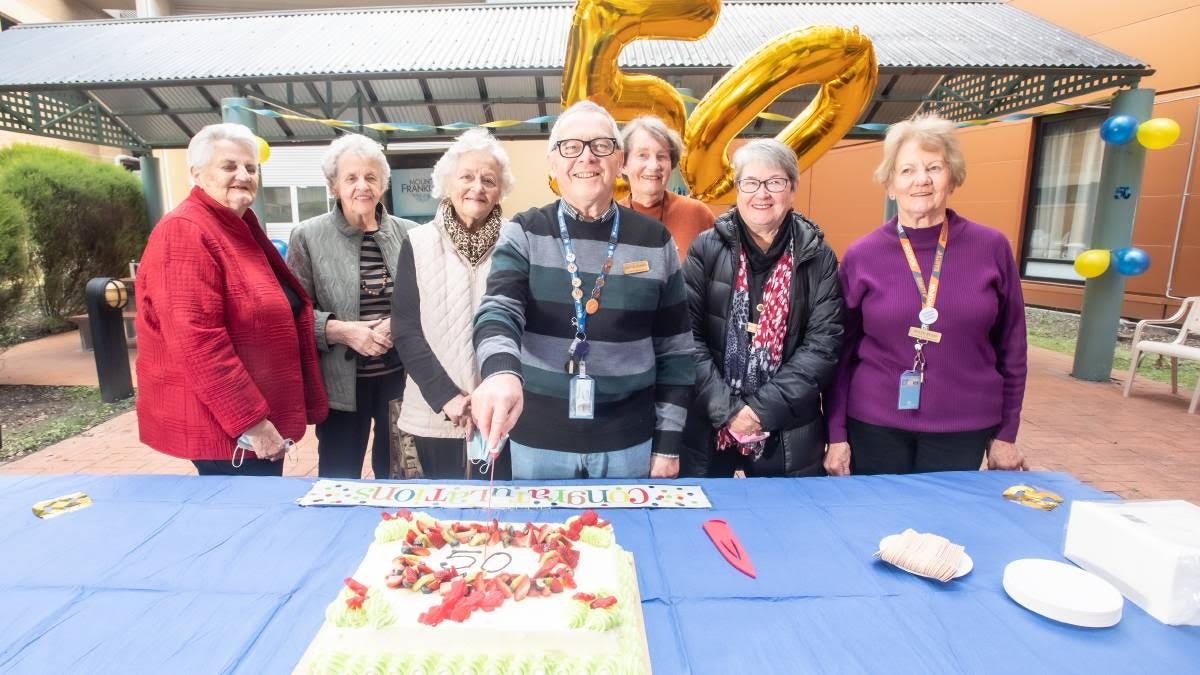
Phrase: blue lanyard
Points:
(581, 312)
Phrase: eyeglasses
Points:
(573, 147)
(750, 185)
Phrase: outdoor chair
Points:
(1175, 350)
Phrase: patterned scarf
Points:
(473, 244)
(751, 360)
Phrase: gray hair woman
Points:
(767, 323)
(346, 261)
(971, 402)
(652, 151)
(225, 330)
(440, 278)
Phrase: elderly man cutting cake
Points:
(583, 335)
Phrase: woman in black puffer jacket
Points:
(766, 312)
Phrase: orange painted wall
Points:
(838, 194)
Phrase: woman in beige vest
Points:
(440, 276)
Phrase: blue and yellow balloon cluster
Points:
(1128, 261)
(1154, 134)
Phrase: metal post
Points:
(236, 110)
(1112, 228)
(151, 188)
(105, 298)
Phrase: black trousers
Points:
(342, 437)
(875, 449)
(251, 466)
(445, 458)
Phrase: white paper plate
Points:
(1063, 592)
(965, 566)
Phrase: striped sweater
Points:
(641, 339)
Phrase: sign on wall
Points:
(411, 190)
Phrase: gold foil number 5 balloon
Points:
(841, 60)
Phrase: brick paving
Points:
(1146, 446)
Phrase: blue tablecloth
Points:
(174, 574)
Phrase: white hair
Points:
(579, 109)
(472, 140)
(361, 147)
(766, 151)
(658, 131)
(200, 148)
(932, 133)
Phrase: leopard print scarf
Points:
(473, 244)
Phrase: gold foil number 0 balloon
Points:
(841, 60)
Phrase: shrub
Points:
(86, 219)
(14, 255)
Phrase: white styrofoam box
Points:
(1149, 550)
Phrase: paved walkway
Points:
(1146, 446)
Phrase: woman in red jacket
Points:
(225, 331)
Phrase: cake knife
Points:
(729, 547)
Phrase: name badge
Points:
(582, 404)
(910, 390)
(924, 334)
(636, 267)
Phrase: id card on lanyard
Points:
(911, 380)
(581, 397)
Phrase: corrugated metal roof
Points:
(400, 42)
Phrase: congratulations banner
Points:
(468, 496)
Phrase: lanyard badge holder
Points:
(581, 397)
(911, 380)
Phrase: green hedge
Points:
(86, 219)
(14, 255)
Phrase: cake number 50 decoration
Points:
(840, 60)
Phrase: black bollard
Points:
(105, 298)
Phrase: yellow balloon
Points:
(1092, 263)
(602, 28)
(1158, 133)
(264, 150)
(841, 60)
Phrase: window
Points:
(1062, 195)
(290, 204)
(311, 201)
(277, 204)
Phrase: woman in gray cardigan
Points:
(346, 261)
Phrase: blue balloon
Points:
(1130, 261)
(1119, 129)
(281, 246)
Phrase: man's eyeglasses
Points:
(750, 185)
(573, 147)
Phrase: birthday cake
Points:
(434, 597)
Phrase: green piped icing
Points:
(525, 664)
(394, 664)
(577, 613)
(376, 611)
(397, 529)
(428, 665)
(391, 530)
(342, 616)
(602, 619)
(600, 537)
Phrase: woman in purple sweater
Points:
(933, 369)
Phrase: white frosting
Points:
(534, 625)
